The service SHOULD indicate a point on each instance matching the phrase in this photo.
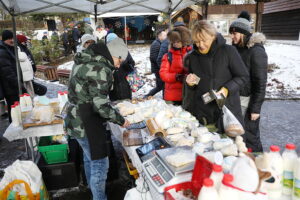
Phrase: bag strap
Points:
(8, 187)
(170, 57)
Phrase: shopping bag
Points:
(231, 124)
(23, 180)
(135, 81)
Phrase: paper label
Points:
(297, 188)
(288, 178)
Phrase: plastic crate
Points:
(52, 154)
(202, 170)
(131, 169)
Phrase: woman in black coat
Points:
(250, 46)
(220, 68)
(121, 88)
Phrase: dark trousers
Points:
(67, 49)
(10, 100)
(252, 133)
(159, 85)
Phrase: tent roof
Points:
(88, 6)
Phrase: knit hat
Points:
(176, 24)
(21, 38)
(118, 48)
(87, 37)
(110, 37)
(241, 24)
(7, 35)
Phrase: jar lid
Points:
(208, 182)
(274, 148)
(217, 168)
(227, 178)
(290, 146)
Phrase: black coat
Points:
(221, 67)
(164, 48)
(30, 56)
(154, 50)
(121, 88)
(8, 70)
(256, 61)
(1, 92)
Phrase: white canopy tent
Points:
(95, 7)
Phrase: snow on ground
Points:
(284, 76)
(66, 66)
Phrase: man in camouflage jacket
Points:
(90, 83)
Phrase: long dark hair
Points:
(101, 49)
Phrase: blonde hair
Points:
(202, 28)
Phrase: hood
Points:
(219, 42)
(88, 56)
(256, 38)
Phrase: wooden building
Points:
(281, 20)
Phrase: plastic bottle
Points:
(62, 100)
(217, 176)
(66, 95)
(22, 103)
(226, 192)
(14, 116)
(17, 106)
(28, 101)
(208, 191)
(289, 157)
(276, 163)
(296, 189)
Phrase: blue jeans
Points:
(95, 171)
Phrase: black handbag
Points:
(39, 89)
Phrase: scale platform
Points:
(161, 174)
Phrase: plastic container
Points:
(296, 185)
(57, 153)
(276, 163)
(208, 191)
(14, 116)
(131, 169)
(289, 157)
(28, 101)
(17, 104)
(202, 170)
(22, 103)
(217, 176)
(226, 192)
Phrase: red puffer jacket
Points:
(168, 71)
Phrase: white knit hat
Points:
(87, 37)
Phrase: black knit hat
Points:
(6, 35)
(241, 24)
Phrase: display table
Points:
(117, 131)
(32, 134)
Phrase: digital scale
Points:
(161, 174)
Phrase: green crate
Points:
(53, 153)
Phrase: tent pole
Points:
(16, 52)
(95, 9)
(170, 20)
(125, 29)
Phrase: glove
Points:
(179, 77)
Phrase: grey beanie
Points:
(240, 25)
(87, 37)
(118, 48)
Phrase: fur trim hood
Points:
(256, 38)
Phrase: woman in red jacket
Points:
(172, 71)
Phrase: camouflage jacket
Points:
(90, 82)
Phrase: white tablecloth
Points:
(15, 133)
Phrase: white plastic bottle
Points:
(66, 95)
(276, 163)
(62, 100)
(208, 191)
(14, 116)
(22, 103)
(289, 157)
(28, 101)
(217, 176)
(226, 192)
(296, 185)
(17, 106)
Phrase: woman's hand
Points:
(254, 116)
(126, 124)
(223, 91)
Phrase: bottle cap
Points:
(13, 106)
(217, 168)
(227, 178)
(17, 103)
(25, 94)
(250, 150)
(290, 146)
(208, 182)
(66, 92)
(21, 95)
(274, 148)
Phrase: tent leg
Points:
(96, 8)
(16, 53)
(125, 25)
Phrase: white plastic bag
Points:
(232, 126)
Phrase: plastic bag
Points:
(232, 126)
(135, 81)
